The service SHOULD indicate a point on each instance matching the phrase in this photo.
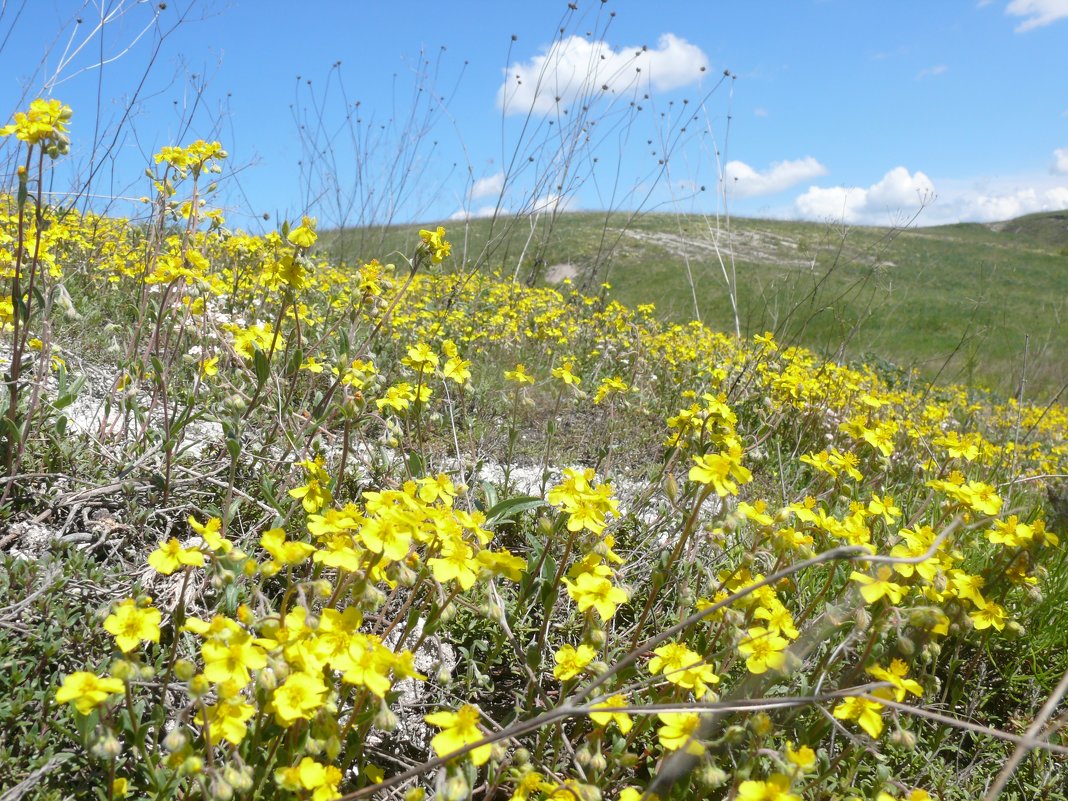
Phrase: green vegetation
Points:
(985, 305)
(279, 526)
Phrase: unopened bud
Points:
(711, 776)
(199, 686)
(107, 747)
(385, 719)
(671, 488)
(456, 788)
(175, 741)
(903, 739)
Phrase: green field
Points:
(979, 304)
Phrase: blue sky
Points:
(834, 109)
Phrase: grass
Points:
(968, 303)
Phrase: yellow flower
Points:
(723, 471)
(622, 719)
(989, 614)
(896, 674)
(226, 720)
(608, 386)
(87, 690)
(571, 661)
(285, 552)
(864, 711)
(304, 236)
(209, 367)
(459, 730)
(678, 731)
(457, 562)
(171, 556)
(435, 244)
(322, 780)
(776, 788)
(519, 375)
(589, 590)
(120, 787)
(564, 374)
(210, 533)
(44, 124)
(502, 563)
(131, 625)
(874, 588)
(804, 758)
(313, 496)
(683, 667)
(298, 698)
(230, 661)
(763, 649)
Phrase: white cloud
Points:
(995, 206)
(760, 111)
(1060, 161)
(899, 194)
(930, 72)
(474, 214)
(551, 203)
(489, 186)
(576, 67)
(1037, 13)
(744, 181)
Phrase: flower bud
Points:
(760, 724)
(199, 686)
(903, 739)
(175, 741)
(184, 670)
(711, 777)
(385, 719)
(455, 789)
(107, 747)
(671, 488)
(221, 790)
(583, 755)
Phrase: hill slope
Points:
(959, 303)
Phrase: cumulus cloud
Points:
(576, 68)
(744, 181)
(1060, 161)
(898, 194)
(1037, 13)
(490, 186)
(994, 206)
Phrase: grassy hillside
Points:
(957, 303)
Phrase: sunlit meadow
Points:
(389, 529)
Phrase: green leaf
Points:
(68, 397)
(490, 492)
(296, 359)
(262, 365)
(512, 508)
